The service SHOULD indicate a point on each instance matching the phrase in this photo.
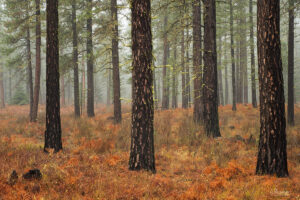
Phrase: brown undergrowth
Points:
(94, 161)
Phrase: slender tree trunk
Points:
(187, 78)
(197, 61)
(232, 59)
(183, 88)
(82, 88)
(142, 142)
(226, 76)
(253, 83)
(115, 62)
(2, 105)
(9, 85)
(210, 74)
(174, 78)
(37, 63)
(165, 100)
(53, 125)
(291, 118)
(75, 60)
(272, 156)
(108, 95)
(155, 95)
(220, 81)
(90, 61)
(159, 89)
(243, 58)
(239, 74)
(29, 68)
(63, 96)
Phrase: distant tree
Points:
(165, 100)
(115, 62)
(53, 124)
(232, 59)
(37, 61)
(253, 83)
(272, 155)
(2, 99)
(183, 63)
(90, 60)
(75, 59)
(291, 96)
(197, 61)
(142, 142)
(210, 75)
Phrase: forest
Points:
(149, 99)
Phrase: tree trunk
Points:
(174, 79)
(210, 74)
(183, 88)
(63, 96)
(142, 141)
(239, 77)
(243, 58)
(82, 88)
(29, 68)
(108, 92)
(232, 59)
(253, 81)
(272, 156)
(53, 125)
(90, 61)
(291, 120)
(2, 104)
(226, 76)
(220, 81)
(75, 61)
(197, 61)
(37, 63)
(187, 69)
(165, 100)
(155, 95)
(115, 62)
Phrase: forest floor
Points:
(94, 160)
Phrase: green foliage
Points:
(19, 98)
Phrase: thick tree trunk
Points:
(197, 61)
(232, 59)
(142, 141)
(29, 71)
(53, 125)
(253, 81)
(90, 61)
(75, 60)
(291, 98)
(165, 100)
(210, 74)
(115, 62)
(37, 63)
(272, 156)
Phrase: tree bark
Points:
(115, 62)
(220, 78)
(210, 74)
(53, 125)
(165, 100)
(2, 98)
(253, 81)
(142, 141)
(243, 58)
(63, 96)
(75, 60)
(187, 68)
(232, 59)
(197, 61)
(226, 76)
(291, 98)
(174, 79)
(108, 92)
(183, 88)
(90, 61)
(29, 71)
(272, 156)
